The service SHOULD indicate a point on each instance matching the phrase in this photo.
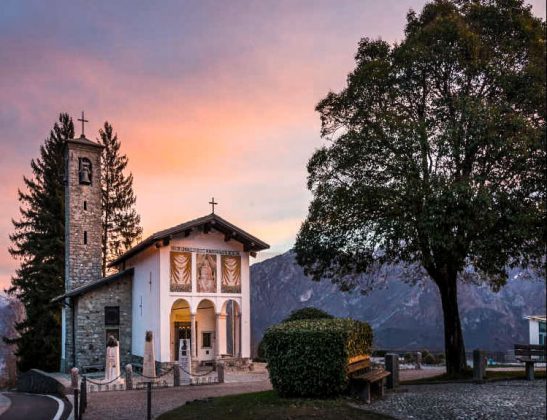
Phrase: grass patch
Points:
(268, 405)
(497, 375)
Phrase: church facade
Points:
(190, 281)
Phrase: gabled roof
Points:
(95, 284)
(84, 142)
(211, 221)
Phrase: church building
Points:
(189, 281)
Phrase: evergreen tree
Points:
(437, 156)
(121, 223)
(39, 242)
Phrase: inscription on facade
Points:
(205, 251)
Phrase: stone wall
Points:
(90, 322)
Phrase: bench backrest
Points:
(531, 351)
(358, 364)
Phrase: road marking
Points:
(60, 409)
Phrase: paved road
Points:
(37, 407)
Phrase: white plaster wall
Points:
(146, 265)
(245, 307)
(534, 331)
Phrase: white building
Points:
(537, 325)
(188, 281)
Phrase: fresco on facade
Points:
(181, 272)
(231, 274)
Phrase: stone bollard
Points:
(479, 366)
(74, 378)
(128, 377)
(392, 366)
(418, 360)
(220, 372)
(176, 375)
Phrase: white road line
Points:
(60, 409)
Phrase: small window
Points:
(85, 237)
(111, 315)
(206, 340)
(85, 205)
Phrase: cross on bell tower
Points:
(213, 203)
(83, 120)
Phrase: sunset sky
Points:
(209, 98)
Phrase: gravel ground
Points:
(121, 405)
(493, 400)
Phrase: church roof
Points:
(94, 284)
(211, 221)
(85, 142)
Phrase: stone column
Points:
(194, 335)
(74, 378)
(220, 372)
(418, 360)
(478, 365)
(237, 335)
(149, 359)
(217, 335)
(128, 377)
(392, 366)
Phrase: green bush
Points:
(308, 358)
(307, 313)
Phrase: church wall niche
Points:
(206, 273)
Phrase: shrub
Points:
(429, 359)
(308, 358)
(260, 353)
(308, 313)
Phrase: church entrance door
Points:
(183, 331)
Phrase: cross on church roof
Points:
(83, 120)
(213, 204)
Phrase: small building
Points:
(190, 281)
(537, 327)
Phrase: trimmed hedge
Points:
(307, 313)
(308, 358)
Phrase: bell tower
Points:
(82, 230)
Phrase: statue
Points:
(112, 369)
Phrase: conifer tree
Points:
(39, 242)
(121, 223)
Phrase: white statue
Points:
(112, 369)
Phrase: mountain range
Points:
(403, 316)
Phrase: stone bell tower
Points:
(82, 230)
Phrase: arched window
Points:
(85, 171)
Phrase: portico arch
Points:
(206, 331)
(231, 326)
(180, 325)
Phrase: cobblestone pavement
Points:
(121, 405)
(493, 400)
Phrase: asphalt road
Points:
(36, 407)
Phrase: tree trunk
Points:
(453, 337)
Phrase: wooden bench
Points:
(362, 379)
(530, 354)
